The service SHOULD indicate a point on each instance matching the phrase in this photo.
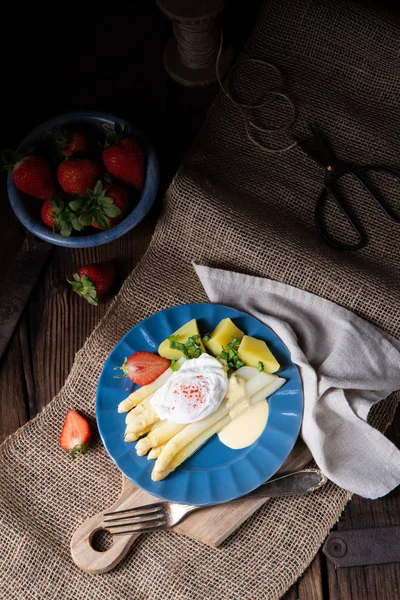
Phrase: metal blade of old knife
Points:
(19, 283)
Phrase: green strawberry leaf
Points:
(112, 211)
(85, 219)
(66, 229)
(57, 203)
(101, 220)
(76, 205)
(84, 287)
(91, 300)
(106, 201)
(76, 224)
(98, 188)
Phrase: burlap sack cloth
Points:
(231, 205)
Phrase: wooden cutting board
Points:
(210, 525)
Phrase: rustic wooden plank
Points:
(67, 320)
(13, 412)
(375, 582)
(291, 594)
(310, 585)
(13, 389)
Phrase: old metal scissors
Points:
(318, 148)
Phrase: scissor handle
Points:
(359, 171)
(319, 220)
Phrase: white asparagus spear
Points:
(189, 449)
(155, 452)
(132, 414)
(131, 436)
(143, 420)
(185, 438)
(247, 372)
(159, 436)
(268, 390)
(258, 382)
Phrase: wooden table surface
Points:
(125, 76)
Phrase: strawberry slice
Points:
(144, 367)
(75, 434)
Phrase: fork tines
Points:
(136, 520)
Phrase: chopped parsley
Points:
(260, 366)
(234, 343)
(173, 338)
(173, 366)
(181, 347)
(190, 349)
(230, 354)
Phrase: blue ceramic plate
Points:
(215, 473)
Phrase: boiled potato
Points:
(252, 351)
(222, 335)
(186, 331)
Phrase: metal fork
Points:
(163, 515)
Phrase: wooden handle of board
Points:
(94, 561)
(211, 526)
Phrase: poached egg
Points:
(193, 392)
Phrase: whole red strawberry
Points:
(101, 207)
(120, 200)
(72, 139)
(123, 158)
(92, 282)
(76, 175)
(31, 174)
(55, 214)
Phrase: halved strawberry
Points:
(75, 434)
(144, 367)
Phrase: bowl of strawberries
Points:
(82, 179)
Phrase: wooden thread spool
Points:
(190, 57)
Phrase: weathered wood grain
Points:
(310, 586)
(375, 582)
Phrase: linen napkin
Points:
(346, 365)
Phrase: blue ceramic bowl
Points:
(27, 208)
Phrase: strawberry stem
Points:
(122, 368)
(9, 158)
(82, 448)
(114, 137)
(84, 288)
